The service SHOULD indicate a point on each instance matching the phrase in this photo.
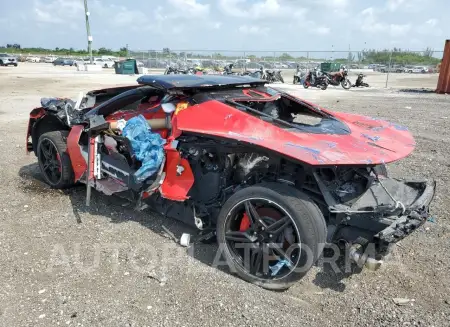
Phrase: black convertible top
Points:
(183, 82)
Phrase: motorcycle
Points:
(298, 76)
(339, 78)
(259, 74)
(171, 71)
(360, 82)
(312, 79)
(195, 71)
(273, 76)
(228, 70)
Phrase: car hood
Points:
(368, 141)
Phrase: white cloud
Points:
(261, 10)
(430, 27)
(333, 3)
(409, 6)
(56, 11)
(399, 30)
(288, 24)
(253, 29)
(371, 24)
(190, 7)
(321, 30)
(393, 5)
(432, 22)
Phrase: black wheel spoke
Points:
(242, 237)
(46, 153)
(256, 260)
(279, 226)
(277, 248)
(253, 215)
(46, 165)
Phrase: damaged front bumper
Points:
(414, 216)
(385, 213)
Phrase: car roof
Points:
(182, 82)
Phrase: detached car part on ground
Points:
(273, 176)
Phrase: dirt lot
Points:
(64, 264)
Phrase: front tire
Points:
(293, 234)
(305, 84)
(346, 84)
(54, 161)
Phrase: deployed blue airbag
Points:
(147, 146)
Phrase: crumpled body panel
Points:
(370, 142)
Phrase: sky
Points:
(241, 25)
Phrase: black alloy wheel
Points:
(263, 239)
(50, 161)
(270, 234)
(54, 161)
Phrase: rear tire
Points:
(324, 86)
(305, 85)
(306, 220)
(57, 141)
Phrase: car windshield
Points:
(3, 55)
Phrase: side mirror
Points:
(168, 107)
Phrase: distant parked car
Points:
(33, 59)
(49, 59)
(392, 69)
(63, 62)
(416, 70)
(105, 63)
(7, 60)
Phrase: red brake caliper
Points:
(245, 223)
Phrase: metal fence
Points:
(387, 61)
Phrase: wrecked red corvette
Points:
(273, 177)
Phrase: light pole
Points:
(88, 30)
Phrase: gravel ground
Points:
(107, 265)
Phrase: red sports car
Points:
(275, 178)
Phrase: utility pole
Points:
(88, 30)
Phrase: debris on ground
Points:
(402, 301)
